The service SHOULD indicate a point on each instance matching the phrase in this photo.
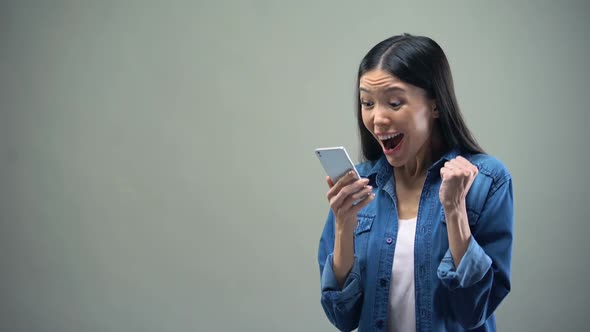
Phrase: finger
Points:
(448, 173)
(454, 168)
(354, 187)
(356, 208)
(457, 164)
(463, 162)
(338, 200)
(351, 199)
(475, 170)
(462, 172)
(349, 177)
(349, 190)
(363, 193)
(467, 164)
(471, 172)
(345, 180)
(461, 167)
(329, 181)
(342, 182)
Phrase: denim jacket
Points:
(448, 298)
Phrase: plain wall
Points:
(156, 158)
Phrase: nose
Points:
(381, 117)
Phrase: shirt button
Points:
(389, 240)
(383, 282)
(379, 324)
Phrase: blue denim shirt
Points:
(448, 298)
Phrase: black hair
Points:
(419, 61)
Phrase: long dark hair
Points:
(419, 61)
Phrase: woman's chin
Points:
(395, 161)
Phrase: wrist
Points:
(344, 231)
(454, 208)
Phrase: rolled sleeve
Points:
(473, 267)
(344, 299)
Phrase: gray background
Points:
(156, 158)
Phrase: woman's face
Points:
(399, 115)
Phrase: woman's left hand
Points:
(457, 177)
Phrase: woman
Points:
(429, 248)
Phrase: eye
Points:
(395, 104)
(366, 104)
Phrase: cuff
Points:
(349, 292)
(472, 268)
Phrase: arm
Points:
(458, 231)
(343, 257)
(476, 271)
(341, 299)
(339, 269)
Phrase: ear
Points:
(435, 113)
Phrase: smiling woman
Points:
(390, 108)
(430, 249)
(413, 68)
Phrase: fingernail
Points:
(369, 187)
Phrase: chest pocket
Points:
(361, 236)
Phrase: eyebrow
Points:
(388, 89)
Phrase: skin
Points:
(390, 105)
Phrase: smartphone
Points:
(336, 162)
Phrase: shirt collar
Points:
(382, 170)
(450, 154)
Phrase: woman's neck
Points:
(414, 172)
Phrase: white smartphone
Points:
(336, 162)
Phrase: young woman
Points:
(429, 248)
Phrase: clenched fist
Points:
(457, 177)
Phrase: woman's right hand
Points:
(342, 194)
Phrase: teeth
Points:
(386, 137)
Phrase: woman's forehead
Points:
(379, 81)
(378, 77)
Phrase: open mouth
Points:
(392, 143)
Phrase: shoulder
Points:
(490, 167)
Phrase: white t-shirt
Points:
(402, 302)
